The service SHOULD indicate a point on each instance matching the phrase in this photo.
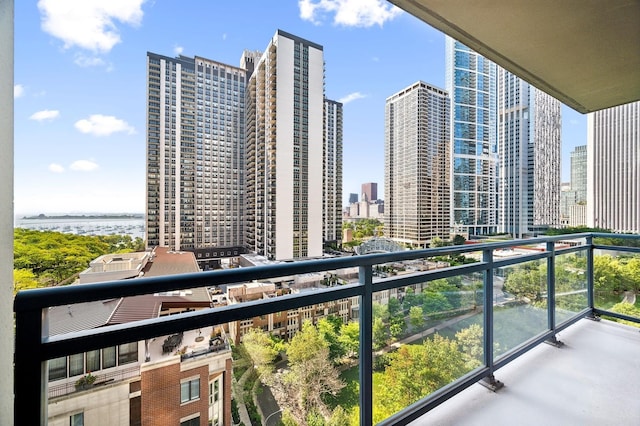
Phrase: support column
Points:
(6, 211)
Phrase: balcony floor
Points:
(594, 379)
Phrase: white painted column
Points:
(6, 211)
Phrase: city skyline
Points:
(80, 126)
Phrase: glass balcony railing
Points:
(411, 309)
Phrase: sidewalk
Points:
(238, 394)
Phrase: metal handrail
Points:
(34, 346)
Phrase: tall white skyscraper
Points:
(470, 81)
(529, 130)
(332, 159)
(285, 103)
(417, 162)
(195, 154)
(613, 168)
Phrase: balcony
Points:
(592, 377)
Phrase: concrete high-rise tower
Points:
(195, 154)
(470, 81)
(332, 169)
(417, 185)
(613, 164)
(284, 134)
(579, 173)
(529, 129)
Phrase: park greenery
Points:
(48, 258)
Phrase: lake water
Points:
(86, 226)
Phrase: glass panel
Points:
(184, 392)
(195, 388)
(616, 280)
(519, 310)
(76, 365)
(93, 360)
(571, 285)
(425, 336)
(127, 353)
(109, 357)
(57, 368)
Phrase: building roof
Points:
(82, 316)
(583, 52)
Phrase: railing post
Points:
(551, 293)
(31, 375)
(489, 381)
(590, 280)
(366, 346)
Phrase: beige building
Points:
(417, 165)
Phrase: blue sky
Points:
(80, 84)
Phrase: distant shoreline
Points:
(91, 216)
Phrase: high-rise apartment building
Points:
(284, 141)
(417, 185)
(332, 169)
(613, 164)
(470, 81)
(579, 173)
(195, 153)
(369, 191)
(529, 128)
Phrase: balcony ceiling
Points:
(586, 53)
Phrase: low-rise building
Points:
(180, 379)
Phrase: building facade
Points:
(471, 83)
(529, 130)
(613, 164)
(332, 170)
(417, 185)
(284, 136)
(579, 173)
(369, 191)
(195, 153)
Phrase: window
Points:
(109, 357)
(93, 360)
(127, 353)
(57, 368)
(76, 365)
(191, 422)
(76, 420)
(189, 390)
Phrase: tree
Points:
(24, 279)
(380, 333)
(470, 340)
(526, 284)
(415, 371)
(311, 373)
(626, 309)
(434, 302)
(416, 317)
(350, 338)
(458, 240)
(394, 307)
(329, 328)
(260, 348)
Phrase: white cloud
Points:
(224, 36)
(18, 91)
(573, 122)
(351, 97)
(84, 166)
(88, 61)
(178, 50)
(349, 13)
(103, 125)
(56, 168)
(89, 24)
(45, 115)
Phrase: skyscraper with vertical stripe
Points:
(613, 168)
(470, 81)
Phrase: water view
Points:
(85, 224)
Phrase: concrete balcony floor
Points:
(594, 379)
